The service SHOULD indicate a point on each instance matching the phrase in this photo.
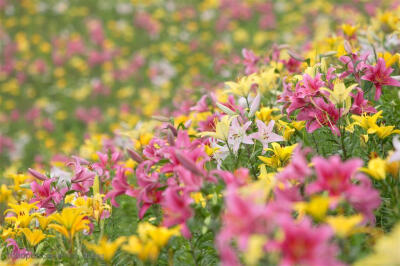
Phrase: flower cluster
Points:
(294, 159)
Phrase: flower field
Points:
(215, 132)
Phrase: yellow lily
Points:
(349, 30)
(43, 221)
(344, 226)
(340, 94)
(33, 237)
(287, 130)
(367, 122)
(70, 221)
(242, 87)
(389, 58)
(298, 125)
(317, 207)
(265, 114)
(106, 249)
(266, 79)
(144, 250)
(376, 168)
(7, 233)
(22, 216)
(5, 193)
(385, 131)
(280, 157)
(150, 240)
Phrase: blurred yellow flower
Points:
(106, 249)
(344, 225)
(376, 168)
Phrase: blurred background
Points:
(73, 72)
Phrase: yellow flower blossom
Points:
(255, 249)
(385, 131)
(43, 221)
(7, 233)
(22, 213)
(367, 122)
(5, 193)
(349, 30)
(340, 93)
(344, 225)
(198, 198)
(266, 79)
(106, 249)
(33, 236)
(376, 168)
(150, 240)
(280, 157)
(389, 58)
(317, 207)
(69, 222)
(386, 250)
(265, 114)
(144, 250)
(243, 86)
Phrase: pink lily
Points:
(380, 76)
(265, 134)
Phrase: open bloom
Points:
(33, 236)
(333, 175)
(237, 135)
(265, 134)
(380, 76)
(304, 244)
(106, 249)
(69, 222)
(150, 240)
(319, 115)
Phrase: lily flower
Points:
(237, 135)
(265, 134)
(380, 76)
(106, 249)
(280, 157)
(33, 236)
(69, 222)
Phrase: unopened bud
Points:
(135, 156)
(36, 174)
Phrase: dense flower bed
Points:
(204, 133)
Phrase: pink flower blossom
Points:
(333, 175)
(47, 195)
(320, 114)
(265, 133)
(176, 208)
(304, 244)
(364, 197)
(360, 104)
(380, 76)
(250, 61)
(120, 186)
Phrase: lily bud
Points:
(37, 175)
(135, 156)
